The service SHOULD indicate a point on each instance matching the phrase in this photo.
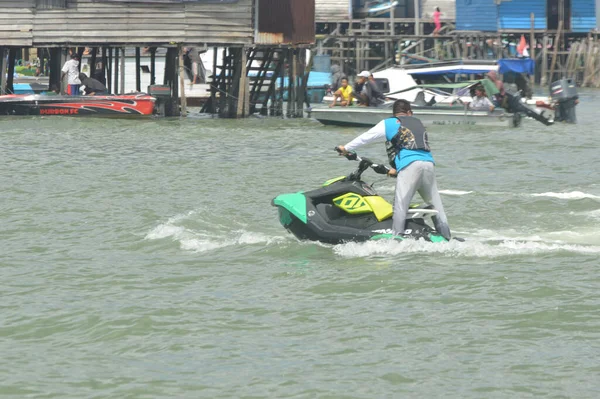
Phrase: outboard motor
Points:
(516, 106)
(165, 104)
(564, 94)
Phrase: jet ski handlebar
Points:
(364, 164)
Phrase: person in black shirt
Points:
(92, 86)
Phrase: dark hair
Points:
(344, 78)
(438, 9)
(402, 107)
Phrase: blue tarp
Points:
(522, 65)
(315, 79)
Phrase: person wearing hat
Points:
(407, 145)
(359, 89)
(480, 101)
(71, 69)
(366, 90)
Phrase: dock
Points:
(254, 45)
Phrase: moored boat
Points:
(128, 105)
(429, 115)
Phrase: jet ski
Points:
(347, 209)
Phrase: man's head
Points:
(479, 91)
(363, 76)
(402, 107)
(75, 56)
(492, 75)
(344, 82)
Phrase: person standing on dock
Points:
(194, 56)
(71, 69)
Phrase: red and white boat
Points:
(127, 105)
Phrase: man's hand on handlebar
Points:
(341, 150)
(392, 173)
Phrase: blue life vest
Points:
(407, 141)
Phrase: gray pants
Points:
(419, 176)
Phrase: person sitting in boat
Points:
(376, 96)
(359, 90)
(366, 90)
(344, 93)
(500, 98)
(92, 86)
(480, 101)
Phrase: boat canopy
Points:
(488, 85)
(517, 65)
(453, 70)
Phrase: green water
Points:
(142, 259)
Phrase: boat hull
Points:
(135, 105)
(430, 116)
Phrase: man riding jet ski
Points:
(347, 209)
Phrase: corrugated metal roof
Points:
(583, 15)
(516, 14)
(479, 15)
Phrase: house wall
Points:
(583, 15)
(476, 15)
(86, 22)
(517, 14)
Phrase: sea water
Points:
(142, 259)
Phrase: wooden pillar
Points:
(122, 91)
(12, 58)
(213, 83)
(555, 54)
(242, 83)
(544, 72)
(300, 87)
(291, 81)
(109, 70)
(182, 81)
(116, 71)
(279, 109)
(138, 77)
(532, 46)
(153, 66)
(3, 51)
(223, 82)
(93, 61)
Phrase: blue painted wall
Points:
(481, 15)
(516, 14)
(583, 15)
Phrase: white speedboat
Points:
(429, 115)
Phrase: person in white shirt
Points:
(407, 145)
(481, 102)
(71, 69)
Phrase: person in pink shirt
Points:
(437, 14)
